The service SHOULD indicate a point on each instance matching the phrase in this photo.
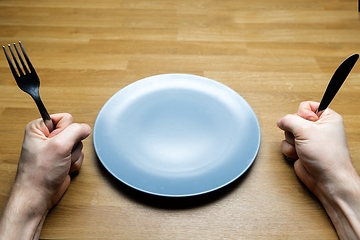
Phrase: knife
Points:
(336, 81)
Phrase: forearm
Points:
(22, 217)
(343, 208)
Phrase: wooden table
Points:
(274, 53)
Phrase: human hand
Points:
(319, 148)
(46, 160)
(319, 144)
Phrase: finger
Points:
(38, 128)
(307, 110)
(289, 137)
(303, 174)
(76, 152)
(288, 150)
(292, 123)
(77, 164)
(72, 134)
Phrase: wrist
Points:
(23, 215)
(341, 200)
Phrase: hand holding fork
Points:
(28, 80)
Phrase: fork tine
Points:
(15, 61)
(32, 69)
(21, 59)
(11, 65)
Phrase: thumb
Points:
(307, 110)
(72, 134)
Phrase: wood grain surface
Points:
(274, 53)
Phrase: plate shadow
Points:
(170, 203)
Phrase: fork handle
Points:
(44, 114)
(49, 124)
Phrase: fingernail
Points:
(313, 119)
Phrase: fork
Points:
(28, 80)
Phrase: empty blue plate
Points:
(176, 135)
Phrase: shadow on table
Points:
(170, 202)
